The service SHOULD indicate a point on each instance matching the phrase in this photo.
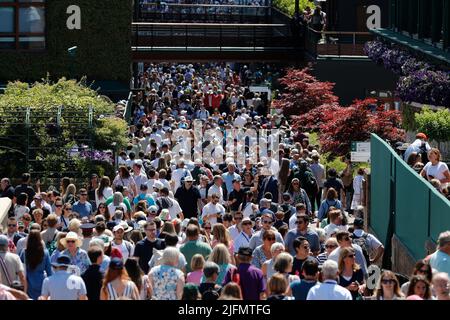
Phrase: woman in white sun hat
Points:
(79, 258)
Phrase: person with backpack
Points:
(369, 244)
(299, 195)
(49, 235)
(344, 240)
(330, 201)
(248, 277)
(209, 289)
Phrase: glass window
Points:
(6, 19)
(31, 19)
(22, 24)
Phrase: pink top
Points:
(194, 277)
(230, 247)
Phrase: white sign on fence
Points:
(360, 152)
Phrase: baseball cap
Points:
(116, 264)
(153, 209)
(3, 240)
(421, 135)
(62, 261)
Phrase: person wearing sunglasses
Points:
(83, 206)
(78, 257)
(12, 232)
(388, 287)
(351, 276)
(302, 230)
(267, 219)
(302, 253)
(422, 268)
(64, 219)
(330, 245)
(263, 253)
(344, 241)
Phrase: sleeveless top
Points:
(127, 292)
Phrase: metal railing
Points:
(210, 36)
(336, 43)
(175, 12)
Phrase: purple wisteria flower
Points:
(419, 81)
(96, 155)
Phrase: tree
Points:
(356, 123)
(59, 120)
(315, 118)
(435, 124)
(303, 92)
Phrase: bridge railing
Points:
(403, 204)
(218, 36)
(336, 43)
(176, 12)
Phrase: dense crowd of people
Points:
(202, 208)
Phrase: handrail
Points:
(182, 24)
(344, 33)
(208, 5)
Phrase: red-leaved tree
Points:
(356, 123)
(303, 92)
(315, 118)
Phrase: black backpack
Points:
(362, 242)
(210, 294)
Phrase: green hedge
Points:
(104, 44)
(288, 6)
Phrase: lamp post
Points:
(72, 51)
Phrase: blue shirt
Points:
(84, 209)
(228, 179)
(440, 261)
(311, 236)
(36, 276)
(63, 285)
(301, 288)
(146, 197)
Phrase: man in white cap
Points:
(125, 247)
(178, 174)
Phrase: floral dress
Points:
(165, 279)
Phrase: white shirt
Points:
(359, 257)
(371, 242)
(242, 240)
(358, 184)
(292, 221)
(436, 171)
(127, 250)
(107, 192)
(240, 122)
(247, 211)
(415, 147)
(214, 189)
(112, 207)
(177, 174)
(157, 138)
(175, 209)
(332, 228)
(234, 232)
(329, 290)
(211, 209)
(139, 179)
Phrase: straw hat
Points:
(71, 236)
